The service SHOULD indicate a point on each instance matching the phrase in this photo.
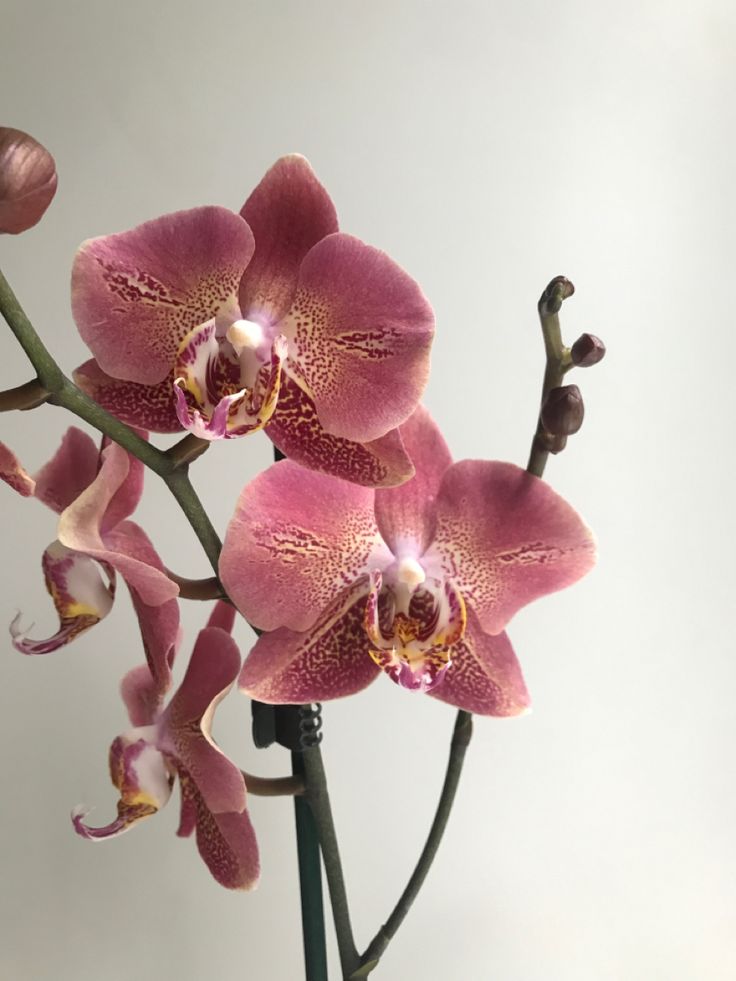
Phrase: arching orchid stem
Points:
(187, 450)
(292, 786)
(319, 802)
(198, 589)
(558, 361)
(28, 396)
(460, 740)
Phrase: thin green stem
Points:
(557, 363)
(318, 799)
(461, 736)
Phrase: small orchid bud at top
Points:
(559, 289)
(587, 350)
(27, 181)
(563, 410)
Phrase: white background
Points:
(487, 147)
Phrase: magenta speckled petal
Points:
(406, 515)
(484, 676)
(80, 529)
(296, 539)
(14, 474)
(185, 725)
(136, 295)
(69, 472)
(27, 180)
(226, 842)
(506, 538)
(360, 331)
(289, 212)
(148, 407)
(82, 596)
(330, 660)
(295, 429)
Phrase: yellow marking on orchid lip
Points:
(454, 632)
(74, 610)
(141, 798)
(191, 385)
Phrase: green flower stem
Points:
(318, 800)
(461, 736)
(558, 362)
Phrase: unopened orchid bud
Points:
(558, 290)
(27, 181)
(587, 350)
(563, 410)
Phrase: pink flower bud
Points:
(27, 180)
(587, 350)
(563, 410)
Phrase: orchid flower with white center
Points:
(176, 741)
(94, 492)
(418, 580)
(225, 324)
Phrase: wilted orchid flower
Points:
(176, 741)
(27, 181)
(94, 492)
(224, 324)
(418, 580)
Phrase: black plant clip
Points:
(295, 727)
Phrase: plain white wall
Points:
(486, 147)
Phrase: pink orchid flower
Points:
(418, 580)
(27, 181)
(94, 493)
(224, 324)
(176, 741)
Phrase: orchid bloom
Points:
(176, 741)
(418, 580)
(94, 492)
(225, 324)
(27, 181)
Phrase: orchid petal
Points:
(406, 515)
(222, 616)
(140, 772)
(81, 523)
(27, 180)
(69, 472)
(80, 594)
(142, 695)
(297, 537)
(147, 407)
(360, 331)
(289, 212)
(136, 294)
(484, 675)
(506, 538)
(185, 725)
(14, 474)
(295, 429)
(226, 842)
(330, 660)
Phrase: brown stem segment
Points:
(28, 396)
(460, 740)
(558, 362)
(292, 786)
(198, 589)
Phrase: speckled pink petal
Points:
(330, 660)
(80, 529)
(360, 331)
(186, 724)
(142, 696)
(295, 429)
(136, 294)
(69, 472)
(226, 842)
(82, 592)
(159, 624)
(14, 474)
(484, 676)
(297, 538)
(506, 538)
(406, 515)
(289, 212)
(27, 180)
(149, 407)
